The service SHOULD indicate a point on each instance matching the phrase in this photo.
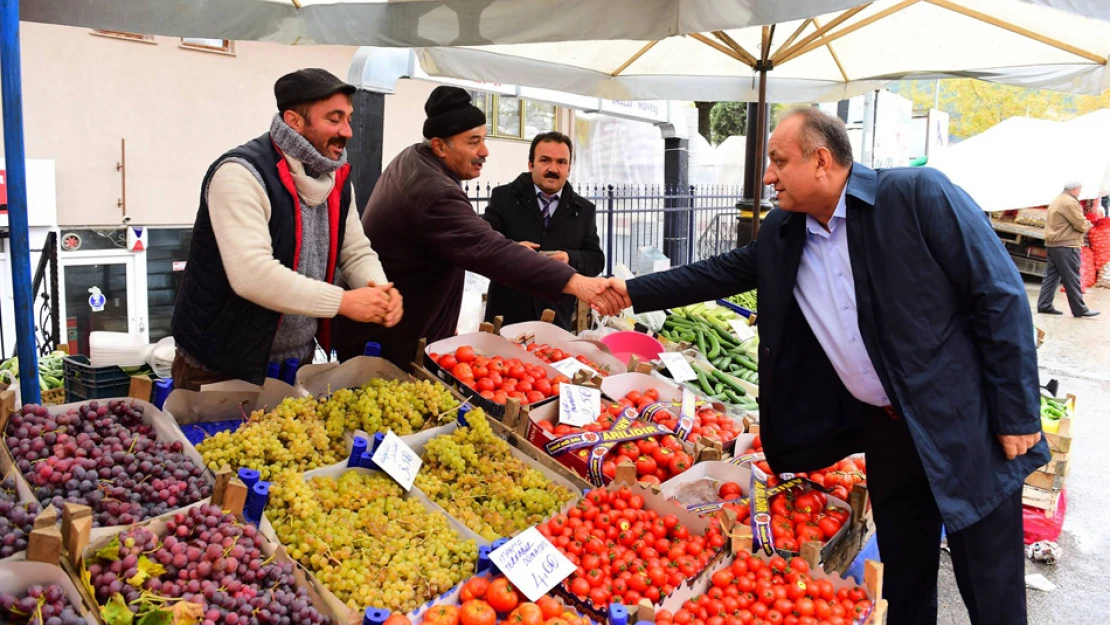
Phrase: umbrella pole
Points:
(760, 153)
(17, 200)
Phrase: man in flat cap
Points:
(1064, 228)
(428, 235)
(277, 220)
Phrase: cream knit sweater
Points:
(240, 213)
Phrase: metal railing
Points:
(45, 293)
(686, 224)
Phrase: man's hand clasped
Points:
(373, 304)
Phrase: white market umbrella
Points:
(837, 55)
(408, 23)
(1017, 163)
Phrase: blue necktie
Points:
(546, 200)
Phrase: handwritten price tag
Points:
(578, 405)
(397, 460)
(677, 365)
(742, 329)
(532, 563)
(571, 366)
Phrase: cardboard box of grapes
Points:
(313, 430)
(489, 345)
(18, 509)
(156, 573)
(653, 501)
(95, 489)
(381, 545)
(16, 578)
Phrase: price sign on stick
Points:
(578, 405)
(532, 563)
(687, 409)
(398, 461)
(677, 365)
(571, 366)
(742, 329)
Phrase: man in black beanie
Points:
(427, 234)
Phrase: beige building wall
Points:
(178, 109)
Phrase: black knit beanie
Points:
(450, 112)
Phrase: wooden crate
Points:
(1051, 476)
(1042, 499)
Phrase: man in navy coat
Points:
(892, 322)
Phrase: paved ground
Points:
(1077, 353)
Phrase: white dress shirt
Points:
(826, 294)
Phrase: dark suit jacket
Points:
(942, 311)
(514, 211)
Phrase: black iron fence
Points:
(636, 223)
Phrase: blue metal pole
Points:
(12, 81)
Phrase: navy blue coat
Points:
(942, 311)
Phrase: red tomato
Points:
(463, 372)
(485, 384)
(465, 354)
(645, 465)
(448, 361)
(828, 526)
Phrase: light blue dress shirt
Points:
(826, 294)
(554, 202)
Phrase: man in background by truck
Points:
(1064, 228)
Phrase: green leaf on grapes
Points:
(157, 617)
(147, 568)
(109, 552)
(116, 612)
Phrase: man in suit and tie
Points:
(541, 211)
(892, 322)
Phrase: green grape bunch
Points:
(473, 474)
(291, 436)
(406, 407)
(366, 542)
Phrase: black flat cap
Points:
(308, 85)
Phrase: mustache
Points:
(552, 175)
(478, 161)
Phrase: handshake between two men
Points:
(608, 296)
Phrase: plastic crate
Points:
(84, 381)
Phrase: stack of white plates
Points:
(117, 348)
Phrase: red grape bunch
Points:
(208, 559)
(39, 605)
(16, 519)
(103, 456)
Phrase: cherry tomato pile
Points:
(754, 592)
(485, 601)
(838, 480)
(799, 516)
(623, 552)
(552, 355)
(499, 379)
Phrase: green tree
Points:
(727, 119)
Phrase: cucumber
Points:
(700, 334)
(714, 345)
(729, 382)
(733, 398)
(743, 360)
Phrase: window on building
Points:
(510, 117)
(119, 34)
(208, 45)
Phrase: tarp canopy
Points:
(1025, 162)
(412, 23)
(835, 56)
